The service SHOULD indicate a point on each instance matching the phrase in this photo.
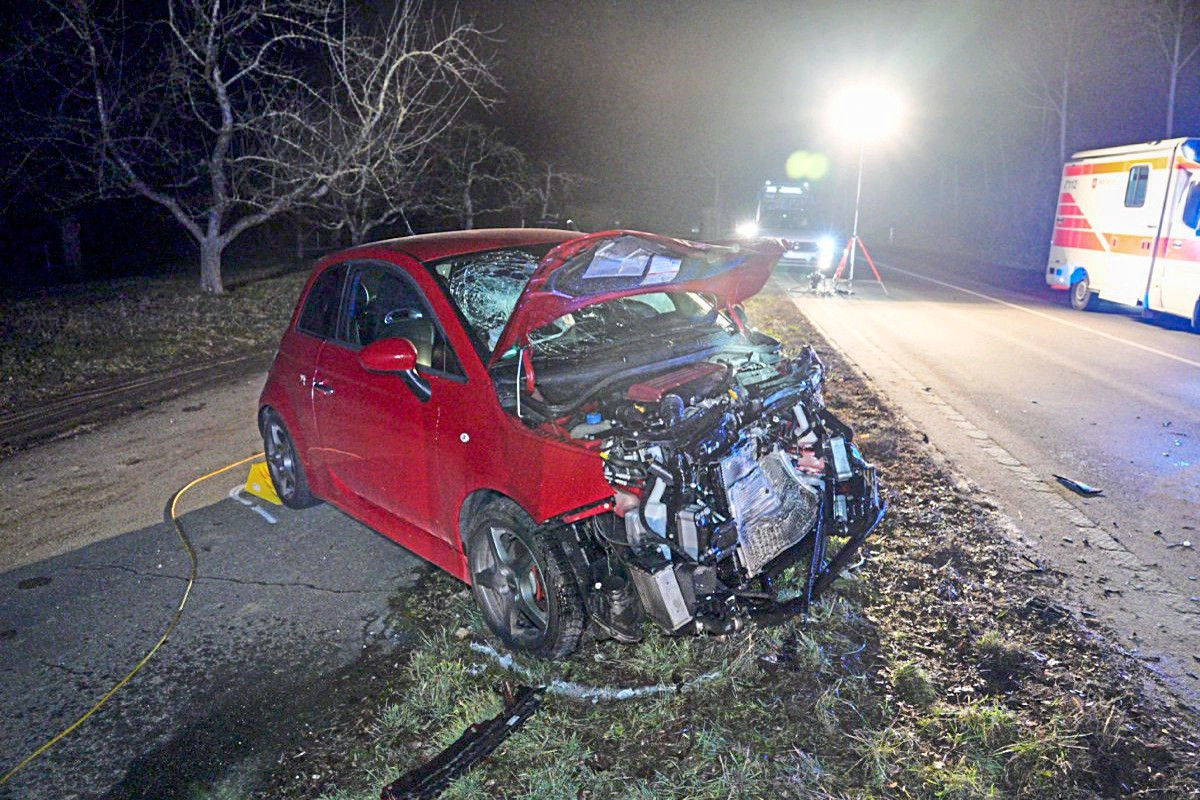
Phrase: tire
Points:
(523, 584)
(1196, 317)
(1081, 295)
(283, 462)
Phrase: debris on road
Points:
(477, 742)
(1079, 488)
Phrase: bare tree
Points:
(47, 156)
(551, 188)
(228, 113)
(388, 121)
(1044, 79)
(475, 173)
(1175, 26)
(1050, 55)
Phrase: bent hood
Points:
(605, 266)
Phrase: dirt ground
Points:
(68, 493)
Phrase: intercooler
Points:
(772, 508)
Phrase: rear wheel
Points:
(1082, 297)
(283, 462)
(523, 583)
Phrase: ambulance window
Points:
(1135, 190)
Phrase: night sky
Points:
(656, 101)
(645, 96)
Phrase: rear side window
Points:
(1135, 190)
(319, 316)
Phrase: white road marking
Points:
(236, 494)
(262, 512)
(1050, 317)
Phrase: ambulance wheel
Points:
(283, 462)
(1082, 297)
(1196, 317)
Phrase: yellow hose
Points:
(169, 516)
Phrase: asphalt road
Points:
(280, 629)
(1013, 387)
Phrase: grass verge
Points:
(67, 339)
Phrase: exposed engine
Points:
(726, 473)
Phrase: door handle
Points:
(322, 387)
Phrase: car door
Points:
(378, 438)
(1178, 267)
(300, 350)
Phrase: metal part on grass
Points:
(476, 743)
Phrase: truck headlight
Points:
(747, 229)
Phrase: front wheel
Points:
(283, 462)
(523, 583)
(1082, 297)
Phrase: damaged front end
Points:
(730, 480)
(726, 476)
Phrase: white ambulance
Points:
(1126, 228)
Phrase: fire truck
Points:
(1127, 228)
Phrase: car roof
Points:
(433, 246)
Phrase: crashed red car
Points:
(584, 428)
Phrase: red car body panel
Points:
(732, 274)
(411, 482)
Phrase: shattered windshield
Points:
(626, 320)
(486, 287)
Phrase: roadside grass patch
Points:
(60, 341)
(912, 685)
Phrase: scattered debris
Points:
(1048, 610)
(595, 694)
(477, 742)
(1079, 488)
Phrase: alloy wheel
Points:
(513, 588)
(281, 459)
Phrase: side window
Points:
(1191, 207)
(1135, 190)
(382, 304)
(319, 315)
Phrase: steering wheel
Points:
(397, 314)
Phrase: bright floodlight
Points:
(867, 112)
(748, 229)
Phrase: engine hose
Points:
(169, 516)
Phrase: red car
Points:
(584, 428)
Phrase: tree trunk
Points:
(1174, 68)
(72, 246)
(210, 265)
(1063, 109)
(468, 209)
